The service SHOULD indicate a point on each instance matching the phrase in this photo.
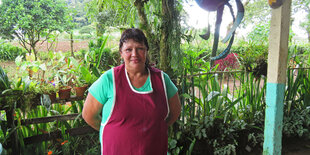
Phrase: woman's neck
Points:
(137, 72)
(137, 77)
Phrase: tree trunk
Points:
(33, 47)
(71, 43)
(168, 43)
(14, 136)
(144, 25)
(99, 27)
(308, 32)
(164, 38)
(99, 30)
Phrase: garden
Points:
(43, 87)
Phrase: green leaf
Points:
(18, 60)
(85, 74)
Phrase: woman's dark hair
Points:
(135, 34)
(138, 36)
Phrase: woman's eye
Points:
(128, 50)
(141, 49)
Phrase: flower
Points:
(64, 142)
(49, 152)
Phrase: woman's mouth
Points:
(135, 60)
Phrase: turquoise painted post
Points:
(273, 119)
(276, 78)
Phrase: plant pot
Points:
(80, 91)
(64, 92)
(30, 73)
(52, 97)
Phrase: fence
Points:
(14, 141)
(235, 93)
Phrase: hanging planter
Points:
(80, 90)
(64, 92)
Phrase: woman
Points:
(137, 103)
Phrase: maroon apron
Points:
(137, 124)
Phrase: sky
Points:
(198, 18)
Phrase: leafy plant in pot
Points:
(50, 88)
(80, 87)
(64, 88)
(84, 78)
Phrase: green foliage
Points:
(79, 14)
(29, 21)
(110, 13)
(4, 81)
(299, 55)
(250, 53)
(259, 34)
(257, 11)
(100, 57)
(296, 123)
(297, 91)
(10, 52)
(87, 30)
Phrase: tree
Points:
(31, 21)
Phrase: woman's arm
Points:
(175, 109)
(91, 112)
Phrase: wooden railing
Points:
(13, 142)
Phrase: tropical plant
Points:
(5, 84)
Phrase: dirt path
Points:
(295, 146)
(60, 46)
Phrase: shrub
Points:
(228, 63)
(10, 52)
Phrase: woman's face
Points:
(134, 54)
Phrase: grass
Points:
(9, 67)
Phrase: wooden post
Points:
(71, 43)
(276, 77)
(14, 143)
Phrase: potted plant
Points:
(49, 88)
(80, 87)
(64, 87)
(81, 76)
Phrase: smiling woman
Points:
(134, 55)
(137, 102)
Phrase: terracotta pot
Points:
(52, 97)
(80, 91)
(30, 72)
(64, 92)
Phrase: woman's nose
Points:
(134, 52)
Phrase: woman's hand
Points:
(91, 112)
(175, 109)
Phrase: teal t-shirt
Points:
(102, 90)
